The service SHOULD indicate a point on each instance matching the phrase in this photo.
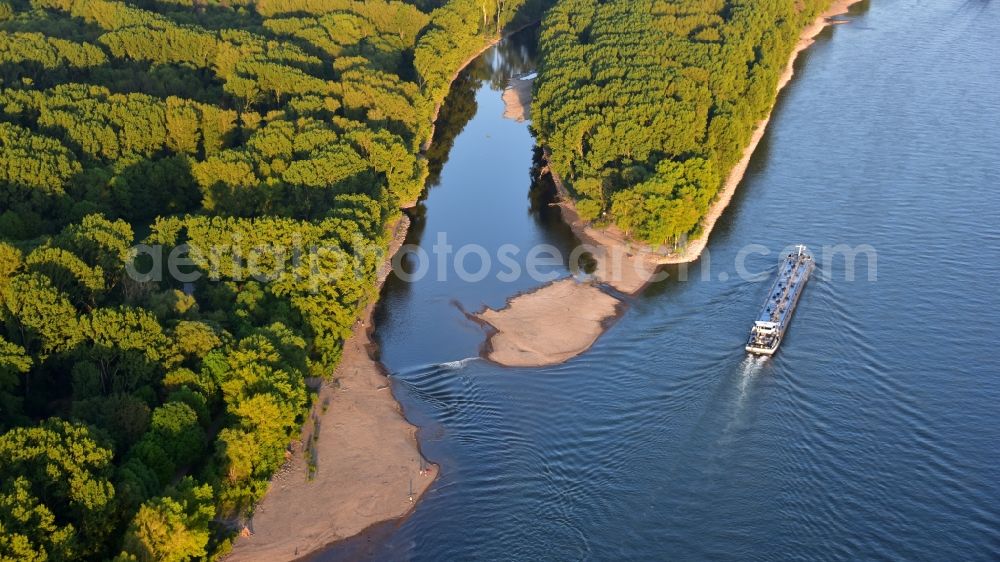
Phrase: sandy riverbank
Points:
(621, 263)
(368, 464)
(549, 326)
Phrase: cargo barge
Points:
(772, 323)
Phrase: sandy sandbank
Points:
(368, 467)
(550, 325)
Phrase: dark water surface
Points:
(873, 434)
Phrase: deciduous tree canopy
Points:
(647, 104)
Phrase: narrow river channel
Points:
(874, 433)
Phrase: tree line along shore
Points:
(142, 415)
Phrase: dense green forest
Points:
(141, 415)
(646, 105)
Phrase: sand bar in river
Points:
(549, 326)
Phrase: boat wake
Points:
(751, 365)
(452, 365)
(749, 368)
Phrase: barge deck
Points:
(772, 323)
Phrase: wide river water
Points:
(873, 434)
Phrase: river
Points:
(873, 433)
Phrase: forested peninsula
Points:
(142, 414)
(648, 114)
(647, 105)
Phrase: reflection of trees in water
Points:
(456, 112)
(543, 191)
(514, 55)
(541, 196)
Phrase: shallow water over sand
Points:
(872, 434)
